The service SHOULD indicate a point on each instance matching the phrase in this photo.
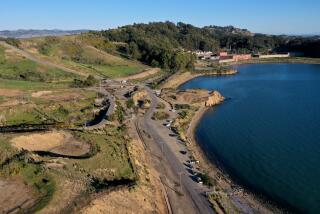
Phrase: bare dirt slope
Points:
(141, 75)
(17, 195)
(177, 79)
(57, 142)
(145, 197)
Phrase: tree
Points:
(133, 50)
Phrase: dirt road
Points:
(141, 75)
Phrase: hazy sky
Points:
(264, 16)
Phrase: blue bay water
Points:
(267, 136)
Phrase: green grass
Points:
(30, 85)
(6, 150)
(118, 71)
(17, 68)
(35, 177)
(112, 160)
(20, 115)
(76, 54)
(44, 110)
(32, 174)
(160, 115)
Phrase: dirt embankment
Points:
(141, 75)
(198, 97)
(10, 92)
(57, 142)
(179, 78)
(145, 197)
(17, 196)
(141, 99)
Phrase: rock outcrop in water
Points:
(215, 98)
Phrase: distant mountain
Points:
(38, 33)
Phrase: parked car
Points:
(183, 152)
(199, 180)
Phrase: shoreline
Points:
(288, 60)
(176, 80)
(245, 199)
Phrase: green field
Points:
(34, 94)
(109, 162)
(31, 85)
(33, 175)
(74, 107)
(112, 155)
(15, 67)
(78, 53)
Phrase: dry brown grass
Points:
(177, 79)
(14, 193)
(58, 142)
(10, 92)
(40, 93)
(145, 197)
(141, 75)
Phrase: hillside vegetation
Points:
(161, 43)
(16, 67)
(87, 53)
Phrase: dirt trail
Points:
(41, 61)
(141, 75)
(10, 92)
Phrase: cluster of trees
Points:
(161, 43)
(88, 82)
(11, 41)
(307, 46)
(156, 44)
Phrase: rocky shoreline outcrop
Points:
(215, 98)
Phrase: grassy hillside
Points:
(35, 94)
(85, 53)
(15, 67)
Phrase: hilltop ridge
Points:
(29, 33)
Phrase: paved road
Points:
(170, 148)
(40, 61)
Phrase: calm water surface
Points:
(267, 136)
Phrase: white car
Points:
(199, 180)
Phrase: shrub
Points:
(90, 81)
(160, 115)
(207, 180)
(181, 106)
(130, 103)
(183, 114)
(161, 106)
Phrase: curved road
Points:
(191, 188)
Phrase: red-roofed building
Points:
(223, 54)
(240, 57)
